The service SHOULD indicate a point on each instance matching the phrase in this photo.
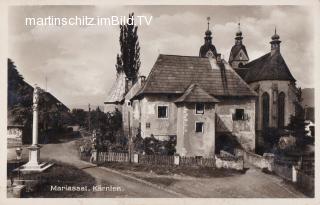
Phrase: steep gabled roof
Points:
(173, 74)
(268, 67)
(195, 93)
(235, 50)
(117, 92)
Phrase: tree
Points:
(297, 123)
(128, 61)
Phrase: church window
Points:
(163, 111)
(199, 126)
(265, 110)
(239, 114)
(199, 108)
(281, 109)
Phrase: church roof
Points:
(268, 67)
(242, 72)
(117, 92)
(194, 93)
(173, 74)
(205, 48)
(235, 50)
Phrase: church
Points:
(201, 100)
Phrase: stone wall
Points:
(244, 130)
(259, 161)
(237, 164)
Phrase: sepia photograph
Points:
(160, 101)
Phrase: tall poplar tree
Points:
(128, 61)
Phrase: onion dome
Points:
(207, 46)
(208, 33)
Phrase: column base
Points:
(34, 165)
(31, 167)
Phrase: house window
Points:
(199, 126)
(162, 111)
(129, 103)
(239, 115)
(148, 125)
(199, 108)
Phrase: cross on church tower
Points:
(208, 19)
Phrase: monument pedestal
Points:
(34, 165)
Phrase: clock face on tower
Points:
(209, 54)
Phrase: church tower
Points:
(238, 55)
(275, 43)
(208, 49)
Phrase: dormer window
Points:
(199, 108)
(209, 54)
(162, 111)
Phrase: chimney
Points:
(142, 79)
(219, 58)
(128, 84)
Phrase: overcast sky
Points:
(79, 62)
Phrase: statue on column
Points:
(34, 164)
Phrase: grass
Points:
(160, 180)
(59, 174)
(203, 172)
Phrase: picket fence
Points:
(195, 161)
(152, 159)
(306, 183)
(156, 159)
(112, 157)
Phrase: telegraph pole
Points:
(89, 121)
(129, 139)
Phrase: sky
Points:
(79, 61)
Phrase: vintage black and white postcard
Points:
(186, 102)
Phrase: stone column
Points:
(34, 153)
(34, 150)
(35, 116)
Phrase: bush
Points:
(151, 145)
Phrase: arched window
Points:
(265, 110)
(281, 109)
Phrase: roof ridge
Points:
(179, 55)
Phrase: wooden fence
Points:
(112, 157)
(306, 183)
(194, 161)
(164, 160)
(156, 159)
